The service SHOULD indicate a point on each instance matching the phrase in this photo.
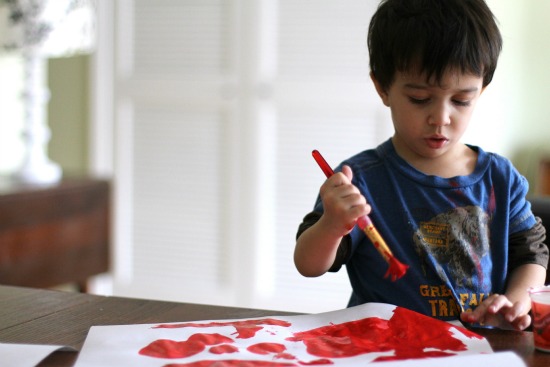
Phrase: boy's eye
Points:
(419, 100)
(461, 103)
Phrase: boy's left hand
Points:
(498, 311)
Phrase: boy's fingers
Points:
(490, 305)
(522, 322)
(515, 314)
(499, 302)
(497, 310)
(338, 179)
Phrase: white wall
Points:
(512, 118)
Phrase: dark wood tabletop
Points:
(36, 316)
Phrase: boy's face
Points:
(430, 118)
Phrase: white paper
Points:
(369, 333)
(500, 359)
(26, 355)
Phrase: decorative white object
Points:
(39, 29)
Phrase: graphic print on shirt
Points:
(456, 245)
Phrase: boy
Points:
(454, 213)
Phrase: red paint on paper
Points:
(251, 363)
(165, 348)
(244, 329)
(232, 363)
(284, 356)
(345, 340)
(223, 349)
(407, 333)
(277, 349)
(266, 348)
(317, 362)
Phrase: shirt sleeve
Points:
(344, 249)
(528, 247)
(521, 216)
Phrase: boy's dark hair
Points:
(433, 37)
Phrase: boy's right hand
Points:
(343, 203)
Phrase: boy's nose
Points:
(439, 116)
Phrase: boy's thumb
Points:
(346, 170)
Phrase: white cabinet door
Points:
(217, 106)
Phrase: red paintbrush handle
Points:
(322, 163)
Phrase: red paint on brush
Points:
(396, 269)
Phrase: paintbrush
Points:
(396, 269)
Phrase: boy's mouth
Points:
(436, 141)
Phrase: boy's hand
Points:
(342, 202)
(498, 311)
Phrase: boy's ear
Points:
(381, 92)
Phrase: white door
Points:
(217, 107)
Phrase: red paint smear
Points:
(284, 356)
(317, 362)
(345, 340)
(232, 363)
(165, 348)
(243, 363)
(245, 329)
(223, 349)
(266, 348)
(407, 333)
(271, 348)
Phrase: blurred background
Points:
(204, 113)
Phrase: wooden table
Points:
(54, 234)
(38, 316)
